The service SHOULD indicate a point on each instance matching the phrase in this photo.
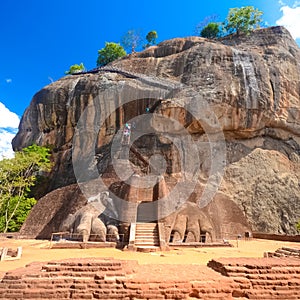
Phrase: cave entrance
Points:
(147, 211)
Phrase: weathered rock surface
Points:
(245, 90)
(265, 184)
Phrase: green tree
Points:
(242, 20)
(131, 40)
(75, 69)
(151, 38)
(205, 22)
(211, 31)
(109, 53)
(17, 176)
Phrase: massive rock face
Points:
(227, 107)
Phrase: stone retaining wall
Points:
(276, 237)
(262, 278)
(112, 279)
(284, 252)
(271, 278)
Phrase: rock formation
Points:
(218, 119)
(90, 222)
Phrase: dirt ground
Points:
(39, 250)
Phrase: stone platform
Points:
(81, 245)
(94, 278)
(261, 278)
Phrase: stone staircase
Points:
(261, 278)
(69, 279)
(284, 252)
(146, 237)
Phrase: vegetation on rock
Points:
(131, 40)
(109, 53)
(17, 176)
(298, 226)
(239, 20)
(209, 19)
(151, 38)
(75, 69)
(211, 31)
(242, 20)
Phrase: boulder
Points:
(222, 124)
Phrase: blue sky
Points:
(40, 39)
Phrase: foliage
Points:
(242, 20)
(17, 176)
(109, 53)
(19, 209)
(205, 22)
(211, 31)
(298, 226)
(151, 38)
(131, 40)
(75, 69)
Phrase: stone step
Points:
(145, 228)
(152, 242)
(152, 238)
(151, 233)
(147, 245)
(262, 294)
(291, 249)
(146, 241)
(140, 236)
(145, 234)
(146, 224)
(148, 249)
(284, 252)
(80, 269)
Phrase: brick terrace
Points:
(242, 278)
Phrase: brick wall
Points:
(116, 279)
(276, 237)
(111, 279)
(262, 278)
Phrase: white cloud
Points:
(8, 119)
(5, 144)
(9, 123)
(8, 80)
(290, 18)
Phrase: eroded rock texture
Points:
(232, 102)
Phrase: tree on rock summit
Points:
(151, 38)
(242, 20)
(131, 40)
(109, 53)
(211, 31)
(75, 69)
